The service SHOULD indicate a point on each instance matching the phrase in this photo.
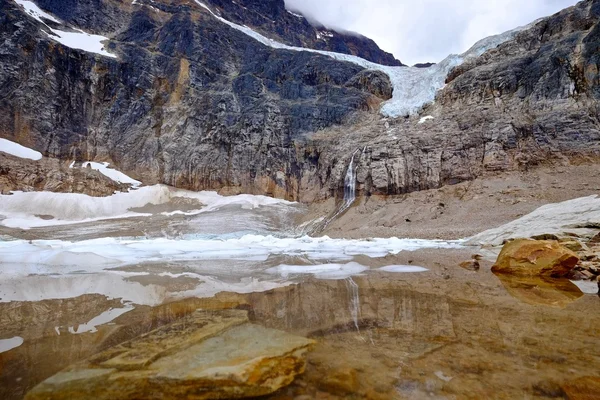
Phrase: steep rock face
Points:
(273, 20)
(532, 100)
(194, 103)
(190, 101)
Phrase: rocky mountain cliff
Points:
(190, 99)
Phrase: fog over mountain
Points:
(427, 30)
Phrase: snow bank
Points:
(425, 119)
(549, 219)
(115, 252)
(413, 87)
(76, 40)
(111, 173)
(22, 209)
(17, 150)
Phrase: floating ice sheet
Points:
(113, 251)
(402, 268)
(320, 271)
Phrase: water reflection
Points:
(541, 291)
(445, 332)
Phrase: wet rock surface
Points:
(205, 355)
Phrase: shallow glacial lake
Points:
(391, 318)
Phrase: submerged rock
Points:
(525, 257)
(207, 355)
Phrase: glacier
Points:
(413, 87)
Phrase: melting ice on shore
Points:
(24, 209)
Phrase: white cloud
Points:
(426, 30)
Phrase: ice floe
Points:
(320, 271)
(17, 150)
(402, 268)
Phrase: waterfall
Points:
(349, 193)
(354, 300)
(350, 183)
(349, 189)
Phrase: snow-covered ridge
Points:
(15, 149)
(413, 87)
(76, 40)
(23, 209)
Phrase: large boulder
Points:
(526, 257)
(206, 355)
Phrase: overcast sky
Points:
(426, 30)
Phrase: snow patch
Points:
(15, 149)
(82, 41)
(111, 173)
(76, 40)
(295, 14)
(425, 119)
(34, 11)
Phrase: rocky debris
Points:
(17, 174)
(472, 264)
(585, 388)
(526, 257)
(206, 355)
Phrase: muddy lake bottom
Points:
(443, 333)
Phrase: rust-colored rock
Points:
(525, 257)
(586, 388)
